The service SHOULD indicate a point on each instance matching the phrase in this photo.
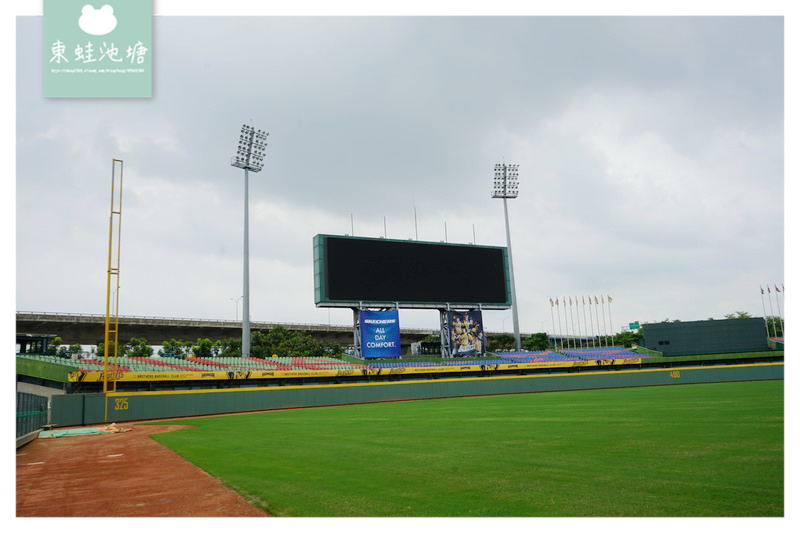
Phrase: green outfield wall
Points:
(706, 336)
(85, 409)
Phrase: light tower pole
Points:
(506, 185)
(250, 157)
(236, 304)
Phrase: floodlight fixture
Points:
(506, 181)
(251, 149)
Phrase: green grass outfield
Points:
(684, 450)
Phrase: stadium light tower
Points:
(506, 185)
(250, 157)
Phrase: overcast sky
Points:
(650, 152)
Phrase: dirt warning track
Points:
(118, 475)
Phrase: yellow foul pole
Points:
(113, 270)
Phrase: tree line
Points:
(504, 342)
(278, 341)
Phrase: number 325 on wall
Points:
(120, 404)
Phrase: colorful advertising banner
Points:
(466, 333)
(380, 334)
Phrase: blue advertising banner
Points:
(380, 334)
(466, 333)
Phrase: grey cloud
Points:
(650, 151)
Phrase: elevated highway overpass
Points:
(90, 329)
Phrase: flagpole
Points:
(572, 322)
(552, 320)
(771, 312)
(766, 319)
(783, 293)
(572, 319)
(566, 323)
(780, 316)
(576, 339)
(585, 323)
(610, 327)
(591, 322)
(596, 303)
(602, 310)
(560, 334)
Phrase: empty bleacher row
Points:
(228, 364)
(543, 356)
(603, 354)
(196, 364)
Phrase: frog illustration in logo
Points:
(97, 21)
